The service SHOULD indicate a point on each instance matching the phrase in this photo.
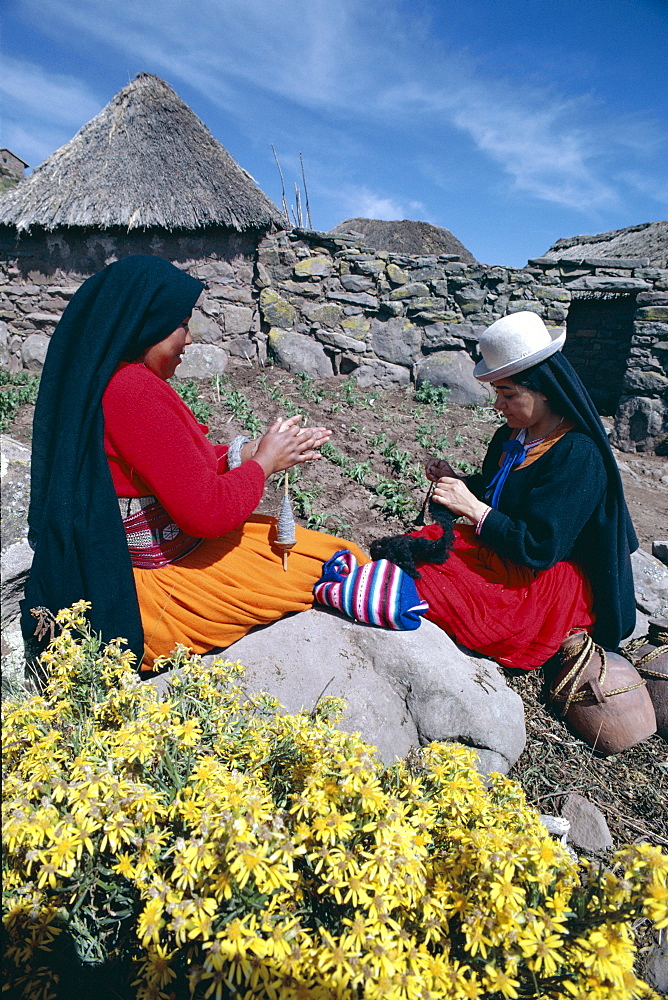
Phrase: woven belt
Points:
(154, 540)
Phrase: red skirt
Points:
(508, 612)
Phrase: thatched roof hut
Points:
(406, 237)
(146, 160)
(649, 239)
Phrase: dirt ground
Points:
(459, 433)
(371, 484)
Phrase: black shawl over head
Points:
(610, 571)
(75, 525)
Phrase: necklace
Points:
(532, 444)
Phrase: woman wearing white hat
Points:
(547, 550)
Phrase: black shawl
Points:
(612, 579)
(75, 526)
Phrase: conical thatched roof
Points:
(649, 239)
(406, 237)
(146, 160)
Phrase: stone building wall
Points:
(40, 273)
(328, 305)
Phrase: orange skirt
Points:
(219, 592)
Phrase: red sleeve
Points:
(151, 430)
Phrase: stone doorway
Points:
(598, 343)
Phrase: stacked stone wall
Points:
(40, 273)
(331, 305)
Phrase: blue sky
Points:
(510, 122)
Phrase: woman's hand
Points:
(322, 434)
(457, 497)
(438, 468)
(286, 444)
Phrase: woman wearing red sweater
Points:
(132, 508)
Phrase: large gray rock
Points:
(33, 351)
(656, 968)
(4, 345)
(357, 283)
(381, 374)
(14, 567)
(237, 319)
(608, 284)
(15, 478)
(297, 353)
(641, 424)
(660, 551)
(401, 688)
(454, 371)
(275, 310)
(203, 328)
(202, 361)
(396, 340)
(650, 579)
(589, 831)
(16, 557)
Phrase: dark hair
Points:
(534, 378)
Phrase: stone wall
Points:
(327, 305)
(40, 273)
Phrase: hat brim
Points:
(484, 374)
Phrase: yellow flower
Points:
(151, 922)
(125, 866)
(498, 981)
(504, 892)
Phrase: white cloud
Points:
(325, 65)
(539, 145)
(55, 97)
(363, 203)
(651, 186)
(42, 110)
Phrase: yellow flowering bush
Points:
(202, 844)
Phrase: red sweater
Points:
(155, 446)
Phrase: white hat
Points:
(515, 343)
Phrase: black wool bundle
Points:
(405, 550)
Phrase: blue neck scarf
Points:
(514, 454)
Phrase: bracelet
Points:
(481, 520)
(234, 451)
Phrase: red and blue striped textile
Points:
(378, 593)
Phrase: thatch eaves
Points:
(649, 239)
(146, 160)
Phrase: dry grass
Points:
(630, 788)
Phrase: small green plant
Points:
(435, 396)
(189, 393)
(393, 500)
(351, 396)
(274, 392)
(379, 440)
(240, 407)
(333, 455)
(424, 434)
(427, 436)
(397, 458)
(309, 390)
(358, 472)
(320, 522)
(465, 467)
(16, 389)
